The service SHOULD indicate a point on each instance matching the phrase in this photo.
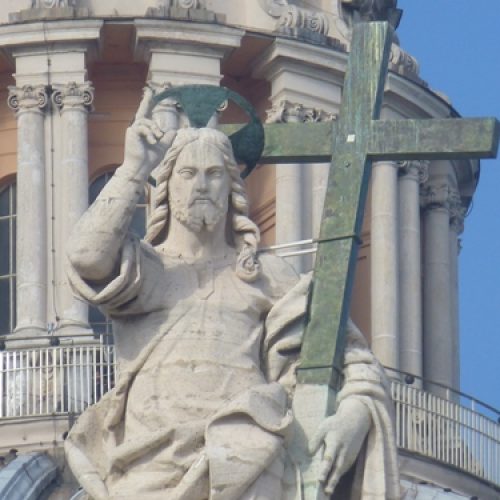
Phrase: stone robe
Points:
(206, 371)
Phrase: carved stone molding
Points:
(49, 4)
(416, 169)
(27, 97)
(194, 10)
(73, 95)
(296, 18)
(289, 112)
(183, 4)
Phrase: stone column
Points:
(30, 103)
(457, 215)
(385, 264)
(71, 171)
(289, 186)
(439, 341)
(412, 174)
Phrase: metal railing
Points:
(61, 380)
(442, 429)
(54, 380)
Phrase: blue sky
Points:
(457, 43)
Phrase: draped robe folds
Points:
(200, 409)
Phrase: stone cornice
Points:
(199, 36)
(41, 33)
(27, 98)
(73, 96)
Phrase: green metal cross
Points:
(351, 143)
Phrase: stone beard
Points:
(199, 213)
(208, 339)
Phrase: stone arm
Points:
(95, 246)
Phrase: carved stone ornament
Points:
(403, 63)
(288, 112)
(457, 212)
(417, 169)
(182, 4)
(303, 19)
(275, 8)
(49, 4)
(436, 196)
(73, 95)
(27, 97)
(374, 10)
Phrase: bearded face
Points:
(199, 187)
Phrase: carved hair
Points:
(244, 233)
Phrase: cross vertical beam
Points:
(324, 340)
(321, 355)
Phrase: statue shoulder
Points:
(278, 274)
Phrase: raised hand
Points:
(145, 143)
(340, 437)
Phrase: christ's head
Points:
(199, 184)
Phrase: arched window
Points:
(99, 323)
(7, 258)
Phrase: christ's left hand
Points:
(342, 435)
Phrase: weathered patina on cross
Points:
(351, 144)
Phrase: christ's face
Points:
(199, 186)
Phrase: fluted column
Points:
(29, 103)
(73, 101)
(439, 343)
(412, 174)
(385, 264)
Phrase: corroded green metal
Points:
(389, 140)
(434, 139)
(323, 345)
(294, 142)
(200, 102)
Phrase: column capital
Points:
(441, 195)
(169, 104)
(73, 96)
(457, 212)
(27, 97)
(285, 111)
(417, 170)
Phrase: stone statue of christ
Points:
(208, 335)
